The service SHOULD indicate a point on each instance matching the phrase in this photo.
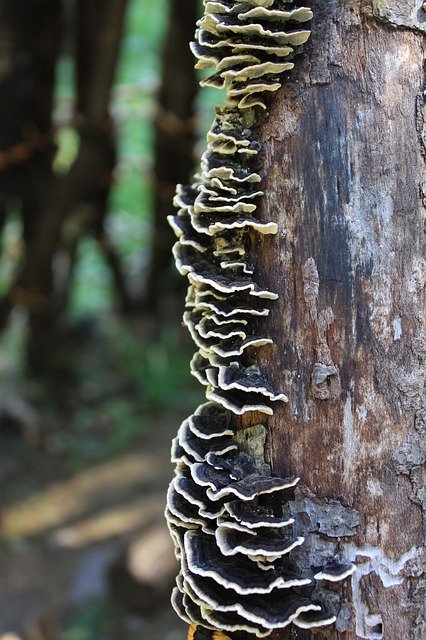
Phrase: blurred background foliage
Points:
(94, 363)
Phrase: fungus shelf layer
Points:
(237, 573)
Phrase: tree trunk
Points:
(89, 177)
(344, 178)
(29, 35)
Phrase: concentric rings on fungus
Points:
(335, 570)
(252, 516)
(237, 572)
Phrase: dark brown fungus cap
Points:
(236, 347)
(239, 402)
(205, 475)
(233, 306)
(176, 451)
(221, 203)
(204, 293)
(237, 573)
(232, 622)
(185, 512)
(224, 348)
(251, 486)
(208, 223)
(198, 448)
(231, 147)
(212, 376)
(273, 610)
(233, 173)
(207, 273)
(177, 604)
(198, 367)
(255, 516)
(267, 545)
(211, 45)
(228, 206)
(193, 611)
(222, 483)
(208, 328)
(312, 619)
(239, 464)
(335, 571)
(215, 200)
(301, 14)
(227, 250)
(248, 380)
(196, 495)
(211, 421)
(211, 320)
(182, 227)
(177, 528)
(185, 197)
(241, 390)
(237, 265)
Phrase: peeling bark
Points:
(344, 178)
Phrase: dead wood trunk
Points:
(344, 179)
(175, 136)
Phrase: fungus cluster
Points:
(236, 568)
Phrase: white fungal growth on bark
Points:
(368, 624)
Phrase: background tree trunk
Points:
(29, 35)
(175, 135)
(344, 179)
(88, 179)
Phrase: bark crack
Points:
(325, 374)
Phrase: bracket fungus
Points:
(237, 572)
(335, 570)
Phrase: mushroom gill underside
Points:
(237, 572)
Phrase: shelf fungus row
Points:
(237, 572)
(249, 45)
(236, 568)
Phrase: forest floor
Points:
(84, 466)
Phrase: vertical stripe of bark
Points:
(344, 178)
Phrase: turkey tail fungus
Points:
(260, 552)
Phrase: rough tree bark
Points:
(344, 177)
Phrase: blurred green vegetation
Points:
(154, 365)
(120, 381)
(93, 621)
(133, 108)
(126, 387)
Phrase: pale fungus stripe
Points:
(237, 572)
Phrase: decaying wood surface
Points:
(344, 177)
